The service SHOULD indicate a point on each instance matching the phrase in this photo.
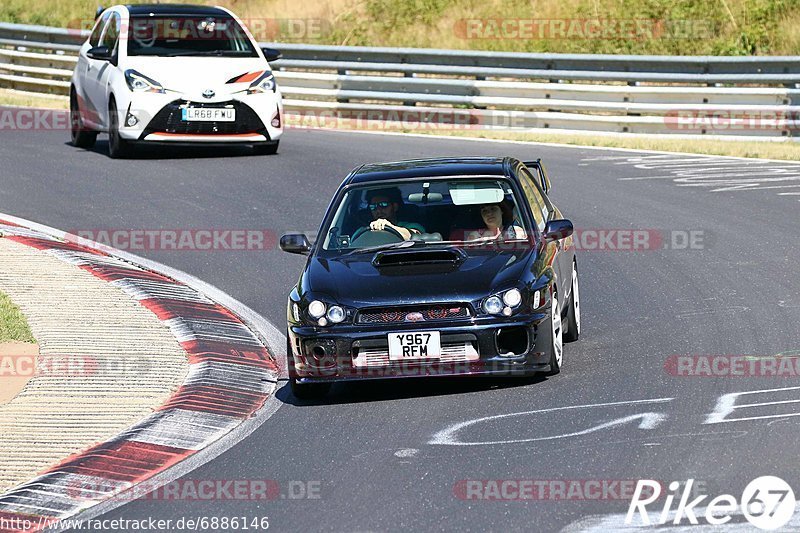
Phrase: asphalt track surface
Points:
(371, 447)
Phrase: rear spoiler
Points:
(539, 171)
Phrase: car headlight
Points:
(504, 302)
(336, 314)
(493, 305)
(138, 82)
(316, 309)
(512, 298)
(264, 84)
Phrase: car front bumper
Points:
(469, 347)
(158, 120)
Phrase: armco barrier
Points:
(749, 96)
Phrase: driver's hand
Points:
(380, 224)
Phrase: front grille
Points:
(168, 120)
(455, 352)
(395, 315)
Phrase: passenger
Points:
(384, 204)
(499, 219)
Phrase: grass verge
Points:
(19, 98)
(789, 151)
(13, 325)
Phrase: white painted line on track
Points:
(716, 173)
(553, 144)
(447, 436)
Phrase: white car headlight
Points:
(336, 314)
(512, 298)
(493, 305)
(138, 82)
(264, 84)
(316, 309)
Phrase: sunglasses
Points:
(382, 205)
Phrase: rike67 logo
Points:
(767, 502)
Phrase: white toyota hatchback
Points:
(174, 74)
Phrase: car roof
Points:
(176, 9)
(438, 167)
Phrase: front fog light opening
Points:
(512, 341)
(131, 120)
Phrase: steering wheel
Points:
(361, 231)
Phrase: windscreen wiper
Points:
(203, 53)
(390, 246)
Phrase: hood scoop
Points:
(451, 257)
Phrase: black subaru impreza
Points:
(434, 267)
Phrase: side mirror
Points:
(295, 243)
(271, 54)
(555, 230)
(99, 52)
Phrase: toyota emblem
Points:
(209, 93)
(414, 317)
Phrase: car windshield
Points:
(430, 211)
(188, 36)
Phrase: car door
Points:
(99, 71)
(543, 212)
(84, 72)
(566, 246)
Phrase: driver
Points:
(384, 204)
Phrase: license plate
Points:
(208, 114)
(417, 345)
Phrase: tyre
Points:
(81, 136)
(556, 337)
(117, 146)
(574, 310)
(267, 148)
